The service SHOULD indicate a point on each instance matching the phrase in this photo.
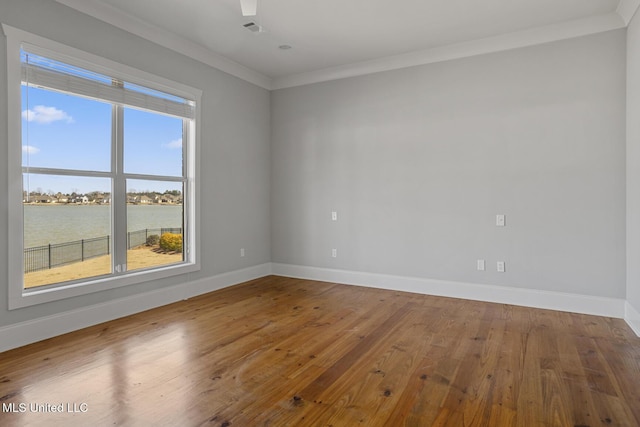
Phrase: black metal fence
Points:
(57, 254)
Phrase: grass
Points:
(137, 258)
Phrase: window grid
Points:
(131, 81)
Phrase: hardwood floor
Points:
(287, 352)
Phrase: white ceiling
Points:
(338, 38)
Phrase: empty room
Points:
(327, 213)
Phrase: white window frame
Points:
(19, 297)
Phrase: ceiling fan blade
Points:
(249, 7)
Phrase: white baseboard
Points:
(575, 303)
(632, 317)
(31, 331)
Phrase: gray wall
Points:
(633, 163)
(418, 162)
(234, 153)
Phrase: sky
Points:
(69, 132)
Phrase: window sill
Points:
(29, 297)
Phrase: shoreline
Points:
(60, 223)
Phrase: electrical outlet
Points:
(334, 216)
(481, 265)
(334, 253)
(500, 220)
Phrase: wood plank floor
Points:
(287, 352)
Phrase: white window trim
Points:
(18, 297)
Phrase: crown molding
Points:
(627, 9)
(535, 36)
(566, 30)
(167, 39)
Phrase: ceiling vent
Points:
(253, 27)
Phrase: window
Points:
(102, 165)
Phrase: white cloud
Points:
(29, 149)
(176, 143)
(45, 115)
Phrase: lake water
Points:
(66, 223)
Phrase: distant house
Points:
(144, 200)
(102, 200)
(44, 199)
(80, 200)
(166, 199)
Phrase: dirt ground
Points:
(137, 258)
